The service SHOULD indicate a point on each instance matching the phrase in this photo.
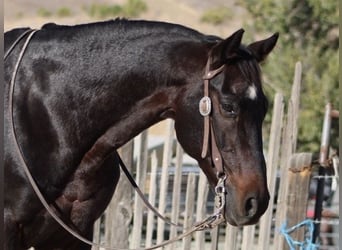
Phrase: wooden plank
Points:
(214, 236)
(140, 179)
(294, 104)
(152, 198)
(288, 147)
(189, 208)
(97, 233)
(231, 239)
(119, 211)
(176, 192)
(214, 233)
(298, 194)
(272, 162)
(164, 178)
(247, 237)
(201, 210)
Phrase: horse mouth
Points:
(246, 214)
(241, 220)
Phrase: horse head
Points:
(235, 109)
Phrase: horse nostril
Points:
(251, 207)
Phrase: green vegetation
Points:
(308, 33)
(217, 15)
(19, 14)
(44, 12)
(61, 12)
(132, 8)
(104, 11)
(64, 12)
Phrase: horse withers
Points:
(81, 92)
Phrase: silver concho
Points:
(205, 106)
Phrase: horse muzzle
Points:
(245, 208)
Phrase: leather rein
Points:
(205, 109)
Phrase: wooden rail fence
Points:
(181, 192)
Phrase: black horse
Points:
(83, 91)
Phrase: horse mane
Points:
(245, 60)
(142, 26)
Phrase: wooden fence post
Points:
(288, 147)
(119, 211)
(176, 193)
(167, 155)
(273, 154)
(140, 179)
(189, 208)
(298, 193)
(248, 237)
(201, 213)
(232, 237)
(152, 199)
(97, 233)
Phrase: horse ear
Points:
(262, 48)
(227, 48)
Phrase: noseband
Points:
(205, 107)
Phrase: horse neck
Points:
(112, 80)
(138, 90)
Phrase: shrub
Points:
(44, 12)
(64, 12)
(132, 8)
(217, 15)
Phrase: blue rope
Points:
(307, 243)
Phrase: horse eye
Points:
(231, 109)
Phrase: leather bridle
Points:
(205, 109)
